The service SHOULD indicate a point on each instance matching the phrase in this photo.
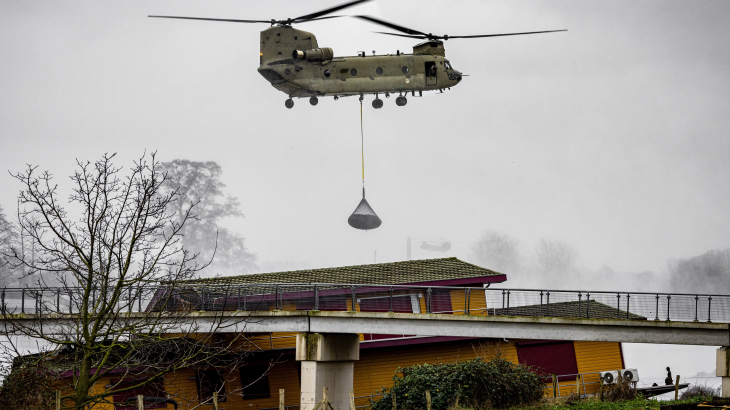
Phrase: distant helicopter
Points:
(292, 61)
(436, 246)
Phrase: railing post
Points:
(657, 309)
(238, 300)
(467, 299)
(628, 299)
(697, 298)
(58, 301)
(22, 301)
(540, 303)
(709, 308)
(391, 303)
(244, 299)
(428, 301)
(588, 307)
(669, 297)
(618, 306)
(508, 302)
(71, 303)
(316, 298)
(139, 304)
(354, 299)
(503, 293)
(547, 305)
(276, 298)
(2, 303)
(580, 298)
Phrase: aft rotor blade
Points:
(313, 16)
(399, 35)
(392, 25)
(208, 19)
(506, 34)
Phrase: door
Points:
(431, 73)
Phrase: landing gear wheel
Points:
(377, 103)
(401, 101)
(289, 103)
(362, 97)
(313, 100)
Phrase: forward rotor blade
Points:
(207, 19)
(399, 35)
(318, 18)
(313, 16)
(506, 34)
(392, 25)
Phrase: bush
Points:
(700, 390)
(476, 383)
(27, 387)
(621, 391)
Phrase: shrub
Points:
(27, 387)
(476, 383)
(700, 390)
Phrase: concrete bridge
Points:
(328, 344)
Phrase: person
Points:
(432, 71)
(668, 380)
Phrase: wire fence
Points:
(372, 298)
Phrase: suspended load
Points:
(364, 217)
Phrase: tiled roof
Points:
(596, 310)
(426, 270)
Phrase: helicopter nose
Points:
(458, 75)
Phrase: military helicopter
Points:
(292, 61)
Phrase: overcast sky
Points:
(611, 136)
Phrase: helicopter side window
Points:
(404, 69)
(447, 65)
(379, 71)
(327, 73)
(353, 72)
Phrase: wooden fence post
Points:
(215, 400)
(676, 389)
(352, 399)
(393, 396)
(140, 402)
(58, 399)
(600, 390)
(428, 399)
(577, 386)
(555, 385)
(281, 399)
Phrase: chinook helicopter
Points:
(292, 61)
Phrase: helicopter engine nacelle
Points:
(317, 54)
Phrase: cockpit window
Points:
(447, 65)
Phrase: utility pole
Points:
(408, 249)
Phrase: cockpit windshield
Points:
(447, 65)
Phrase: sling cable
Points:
(364, 217)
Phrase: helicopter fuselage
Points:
(293, 63)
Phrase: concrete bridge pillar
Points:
(722, 369)
(328, 360)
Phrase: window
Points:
(327, 73)
(353, 72)
(255, 382)
(379, 71)
(404, 69)
(128, 399)
(207, 382)
(447, 65)
(549, 357)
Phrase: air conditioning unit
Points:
(630, 375)
(609, 377)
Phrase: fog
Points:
(611, 137)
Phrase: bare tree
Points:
(555, 257)
(7, 238)
(199, 183)
(706, 273)
(122, 249)
(498, 251)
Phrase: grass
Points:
(594, 404)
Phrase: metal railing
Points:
(375, 298)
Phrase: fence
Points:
(374, 298)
